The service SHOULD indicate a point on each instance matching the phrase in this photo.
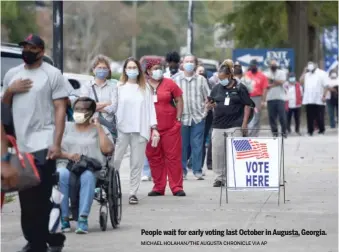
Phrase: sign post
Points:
(254, 164)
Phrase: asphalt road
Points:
(312, 204)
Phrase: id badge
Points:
(155, 98)
(227, 101)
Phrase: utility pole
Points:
(58, 43)
(190, 40)
(134, 38)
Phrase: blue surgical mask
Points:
(132, 73)
(157, 74)
(291, 79)
(224, 82)
(189, 67)
(101, 73)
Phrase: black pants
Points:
(36, 207)
(316, 113)
(295, 112)
(208, 125)
(276, 108)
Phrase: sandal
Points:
(133, 200)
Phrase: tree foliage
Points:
(18, 18)
(264, 24)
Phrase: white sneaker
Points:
(145, 178)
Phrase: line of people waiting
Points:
(157, 117)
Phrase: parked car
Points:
(78, 80)
(211, 66)
(11, 57)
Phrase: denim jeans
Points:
(193, 136)
(332, 110)
(146, 171)
(87, 190)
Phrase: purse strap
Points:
(95, 94)
(96, 97)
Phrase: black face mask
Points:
(30, 57)
(254, 69)
(174, 70)
(274, 68)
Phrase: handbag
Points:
(111, 126)
(24, 163)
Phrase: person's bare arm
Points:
(179, 105)
(106, 145)
(59, 116)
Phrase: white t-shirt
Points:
(331, 83)
(314, 86)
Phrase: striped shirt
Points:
(195, 91)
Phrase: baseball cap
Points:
(33, 40)
(254, 63)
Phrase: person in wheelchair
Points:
(86, 139)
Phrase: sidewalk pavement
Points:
(312, 203)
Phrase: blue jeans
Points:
(146, 171)
(87, 190)
(193, 136)
(332, 110)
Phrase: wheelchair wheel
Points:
(103, 218)
(114, 198)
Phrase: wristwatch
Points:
(6, 157)
(178, 119)
(154, 127)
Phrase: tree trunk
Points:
(298, 32)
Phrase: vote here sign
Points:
(253, 163)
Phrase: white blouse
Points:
(134, 109)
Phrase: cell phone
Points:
(210, 99)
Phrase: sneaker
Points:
(146, 178)
(82, 226)
(185, 176)
(180, 193)
(218, 183)
(154, 193)
(133, 200)
(65, 226)
(199, 176)
(203, 174)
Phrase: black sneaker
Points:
(154, 193)
(218, 183)
(133, 200)
(180, 193)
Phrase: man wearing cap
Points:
(258, 95)
(37, 93)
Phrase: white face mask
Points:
(310, 67)
(80, 117)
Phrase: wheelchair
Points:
(109, 196)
